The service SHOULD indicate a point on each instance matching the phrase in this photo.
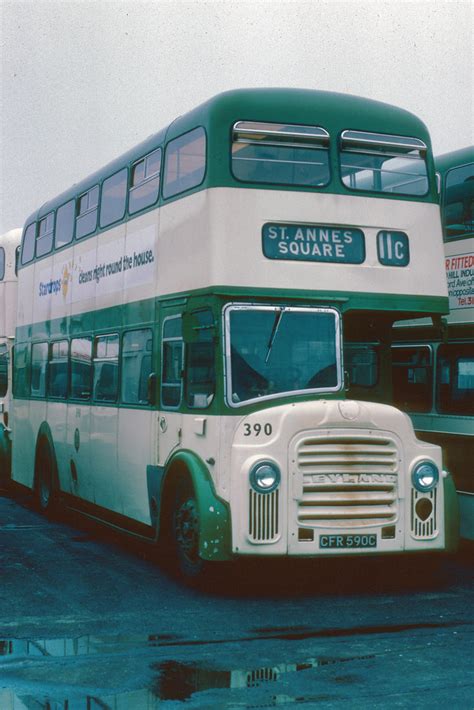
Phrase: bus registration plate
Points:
(347, 541)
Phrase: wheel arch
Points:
(214, 513)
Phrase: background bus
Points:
(9, 247)
(434, 367)
(181, 370)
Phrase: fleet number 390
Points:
(257, 429)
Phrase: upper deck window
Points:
(2, 263)
(458, 202)
(114, 197)
(86, 219)
(280, 154)
(64, 224)
(145, 182)
(28, 246)
(44, 239)
(378, 162)
(185, 162)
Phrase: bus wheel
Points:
(44, 479)
(185, 532)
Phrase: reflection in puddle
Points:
(178, 681)
(173, 680)
(80, 646)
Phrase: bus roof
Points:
(454, 159)
(334, 111)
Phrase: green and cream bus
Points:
(9, 248)
(204, 333)
(434, 367)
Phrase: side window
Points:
(136, 366)
(172, 363)
(86, 218)
(3, 370)
(200, 362)
(64, 224)
(114, 196)
(58, 369)
(145, 182)
(28, 246)
(44, 238)
(458, 202)
(455, 379)
(412, 378)
(81, 368)
(362, 364)
(2, 263)
(21, 367)
(39, 362)
(106, 353)
(185, 162)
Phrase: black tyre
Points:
(185, 531)
(45, 492)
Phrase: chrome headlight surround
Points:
(425, 476)
(264, 476)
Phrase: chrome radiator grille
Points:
(347, 481)
(263, 516)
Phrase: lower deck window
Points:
(3, 370)
(361, 362)
(412, 378)
(106, 352)
(455, 375)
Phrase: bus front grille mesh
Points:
(263, 516)
(347, 481)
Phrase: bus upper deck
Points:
(318, 191)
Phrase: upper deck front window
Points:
(275, 350)
(280, 154)
(378, 162)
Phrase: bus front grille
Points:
(263, 516)
(347, 481)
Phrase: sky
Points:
(83, 81)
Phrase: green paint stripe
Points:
(145, 313)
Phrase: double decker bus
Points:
(204, 332)
(9, 248)
(433, 368)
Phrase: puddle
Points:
(82, 645)
(116, 644)
(173, 680)
(300, 633)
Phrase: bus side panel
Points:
(104, 456)
(29, 416)
(135, 444)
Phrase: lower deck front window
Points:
(273, 350)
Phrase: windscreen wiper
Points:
(276, 325)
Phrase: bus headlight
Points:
(265, 476)
(425, 476)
